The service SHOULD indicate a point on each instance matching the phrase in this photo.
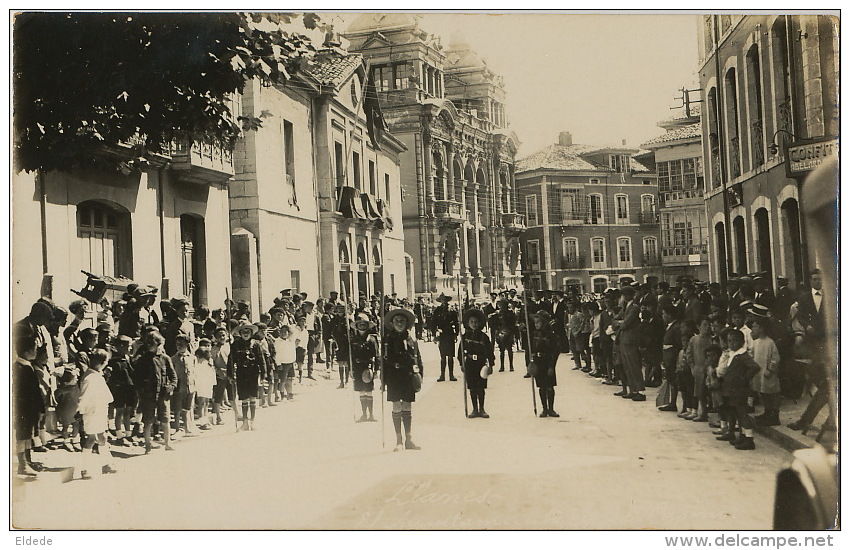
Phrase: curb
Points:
(786, 438)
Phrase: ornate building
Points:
(457, 176)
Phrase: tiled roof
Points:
(334, 68)
(560, 157)
(569, 157)
(692, 131)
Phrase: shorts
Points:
(152, 411)
(219, 390)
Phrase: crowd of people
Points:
(121, 373)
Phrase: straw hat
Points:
(408, 315)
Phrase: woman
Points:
(364, 351)
(544, 356)
(246, 365)
(476, 352)
(402, 362)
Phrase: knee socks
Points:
(245, 410)
(406, 419)
(551, 394)
(397, 425)
(544, 398)
(365, 403)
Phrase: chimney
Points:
(565, 138)
(624, 143)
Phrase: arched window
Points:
(732, 133)
(595, 211)
(650, 251)
(570, 253)
(714, 138)
(754, 102)
(624, 252)
(438, 177)
(361, 254)
(621, 206)
(597, 250)
(740, 244)
(104, 234)
(376, 255)
(344, 256)
(720, 248)
(193, 253)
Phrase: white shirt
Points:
(817, 296)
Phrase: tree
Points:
(83, 81)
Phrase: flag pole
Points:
(348, 370)
(232, 383)
(462, 354)
(528, 344)
(381, 366)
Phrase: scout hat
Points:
(444, 296)
(238, 329)
(388, 318)
(470, 313)
(363, 318)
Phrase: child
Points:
(246, 365)
(300, 333)
(284, 345)
(735, 388)
(475, 352)
(766, 382)
(220, 352)
(28, 403)
(737, 319)
(712, 383)
(684, 375)
(120, 382)
(67, 402)
(155, 380)
(205, 380)
(402, 362)
(696, 354)
(95, 398)
(183, 400)
(268, 356)
(364, 353)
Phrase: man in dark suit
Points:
(693, 305)
(784, 299)
(671, 344)
(628, 339)
(446, 328)
(764, 295)
(560, 315)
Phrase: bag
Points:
(367, 376)
(532, 368)
(485, 372)
(416, 381)
(663, 397)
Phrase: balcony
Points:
(575, 261)
(785, 118)
(649, 217)
(651, 259)
(451, 211)
(201, 162)
(513, 220)
(694, 254)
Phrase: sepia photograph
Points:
(425, 271)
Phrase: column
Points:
(547, 237)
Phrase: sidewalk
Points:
(789, 412)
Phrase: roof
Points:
(333, 67)
(377, 21)
(691, 131)
(569, 157)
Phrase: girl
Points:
(95, 398)
(245, 365)
(766, 382)
(474, 352)
(402, 362)
(364, 352)
(204, 381)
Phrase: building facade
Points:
(769, 83)
(592, 216)
(677, 160)
(312, 198)
(460, 216)
(165, 224)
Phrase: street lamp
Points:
(773, 148)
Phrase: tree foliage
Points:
(82, 81)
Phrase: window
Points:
(289, 162)
(402, 75)
(570, 245)
(689, 173)
(340, 165)
(382, 75)
(594, 181)
(682, 233)
(624, 251)
(295, 278)
(531, 208)
(355, 169)
(597, 247)
(647, 204)
(373, 183)
(594, 211)
(650, 248)
(675, 176)
(534, 254)
(600, 284)
(622, 204)
(387, 188)
(663, 176)
(570, 205)
(647, 182)
(104, 235)
(619, 163)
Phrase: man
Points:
(671, 344)
(693, 306)
(665, 298)
(314, 334)
(784, 299)
(334, 297)
(763, 295)
(560, 317)
(242, 313)
(628, 339)
(181, 324)
(446, 328)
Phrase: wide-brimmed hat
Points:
(470, 313)
(444, 296)
(388, 318)
(238, 328)
(363, 318)
(758, 310)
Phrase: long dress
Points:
(401, 360)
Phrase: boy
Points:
(28, 404)
(219, 356)
(735, 388)
(696, 360)
(737, 320)
(120, 383)
(155, 380)
(475, 352)
(184, 397)
(284, 345)
(766, 382)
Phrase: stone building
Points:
(314, 204)
(459, 194)
(770, 84)
(165, 224)
(677, 159)
(592, 216)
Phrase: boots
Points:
(769, 418)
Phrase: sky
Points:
(602, 77)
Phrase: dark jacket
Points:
(629, 332)
(736, 382)
(671, 344)
(154, 376)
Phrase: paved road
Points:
(606, 463)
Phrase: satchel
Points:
(416, 381)
(532, 368)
